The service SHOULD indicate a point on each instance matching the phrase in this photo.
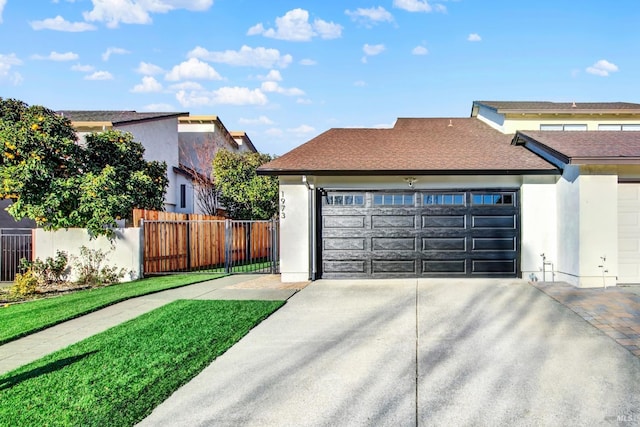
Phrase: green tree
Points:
(60, 184)
(243, 193)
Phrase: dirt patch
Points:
(271, 281)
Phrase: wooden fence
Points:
(191, 242)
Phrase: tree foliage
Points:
(245, 194)
(60, 183)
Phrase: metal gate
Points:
(206, 246)
(15, 244)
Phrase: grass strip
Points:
(18, 320)
(118, 377)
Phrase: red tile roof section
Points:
(589, 144)
(418, 145)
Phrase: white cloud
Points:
(273, 76)
(262, 120)
(302, 130)
(60, 24)
(307, 62)
(272, 86)
(602, 68)
(418, 6)
(186, 86)
(295, 26)
(360, 83)
(82, 68)
(7, 62)
(100, 75)
(246, 56)
(222, 96)
(149, 69)
(2, 4)
(372, 50)
(474, 37)
(420, 50)
(148, 85)
(59, 57)
(370, 16)
(158, 107)
(303, 101)
(193, 69)
(138, 11)
(113, 50)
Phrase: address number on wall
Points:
(282, 205)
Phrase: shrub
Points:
(52, 271)
(25, 284)
(90, 269)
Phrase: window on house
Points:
(442, 199)
(183, 196)
(344, 199)
(504, 199)
(629, 127)
(397, 199)
(564, 127)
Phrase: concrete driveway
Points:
(415, 352)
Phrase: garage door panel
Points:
(393, 244)
(396, 266)
(344, 266)
(493, 221)
(629, 233)
(343, 244)
(441, 221)
(494, 244)
(444, 244)
(346, 221)
(444, 267)
(393, 221)
(503, 266)
(420, 235)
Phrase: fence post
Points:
(228, 245)
(142, 247)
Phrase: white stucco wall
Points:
(587, 200)
(123, 252)
(538, 212)
(294, 230)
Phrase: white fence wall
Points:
(123, 252)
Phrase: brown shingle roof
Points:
(115, 117)
(585, 146)
(564, 107)
(427, 146)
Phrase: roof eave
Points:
(634, 160)
(395, 172)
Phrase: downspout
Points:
(312, 229)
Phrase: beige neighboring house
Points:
(200, 138)
(538, 190)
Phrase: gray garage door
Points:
(419, 234)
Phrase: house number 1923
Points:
(282, 205)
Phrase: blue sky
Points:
(285, 71)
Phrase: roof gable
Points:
(115, 117)
(413, 145)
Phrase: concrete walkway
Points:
(415, 352)
(35, 346)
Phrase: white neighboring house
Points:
(200, 138)
(157, 132)
(514, 190)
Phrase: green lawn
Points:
(117, 377)
(19, 320)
